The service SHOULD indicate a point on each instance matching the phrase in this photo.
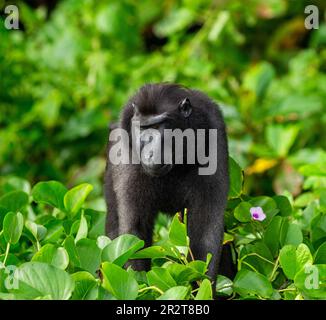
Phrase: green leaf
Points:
(205, 291)
(85, 286)
(13, 224)
(293, 259)
(248, 282)
(261, 265)
(55, 231)
(258, 78)
(89, 255)
(50, 254)
(50, 192)
(75, 198)
(288, 261)
(14, 201)
(175, 21)
(175, 293)
(102, 241)
(83, 228)
(290, 234)
(178, 232)
(198, 265)
(297, 104)
(303, 255)
(320, 255)
(39, 280)
(150, 253)
(224, 286)
(38, 231)
(242, 212)
(183, 274)
(304, 199)
(121, 249)
(236, 179)
(13, 183)
(283, 205)
(272, 235)
(119, 282)
(161, 278)
(280, 138)
(98, 221)
(311, 281)
(318, 229)
(70, 246)
(315, 169)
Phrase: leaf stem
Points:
(271, 278)
(191, 255)
(250, 266)
(7, 253)
(38, 247)
(259, 256)
(287, 289)
(151, 288)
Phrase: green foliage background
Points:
(67, 73)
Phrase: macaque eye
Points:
(156, 126)
(185, 107)
(150, 126)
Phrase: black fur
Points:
(134, 198)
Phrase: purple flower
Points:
(257, 213)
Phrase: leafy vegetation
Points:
(65, 75)
(58, 249)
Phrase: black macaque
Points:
(135, 193)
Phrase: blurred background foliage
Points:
(66, 73)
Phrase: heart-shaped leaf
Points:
(242, 212)
(14, 201)
(70, 246)
(236, 179)
(50, 254)
(293, 259)
(119, 282)
(150, 253)
(161, 278)
(75, 198)
(38, 231)
(205, 291)
(320, 255)
(83, 228)
(13, 224)
(50, 192)
(39, 280)
(178, 232)
(311, 281)
(248, 282)
(272, 234)
(121, 249)
(290, 234)
(85, 286)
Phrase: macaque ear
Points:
(185, 107)
(135, 108)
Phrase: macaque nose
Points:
(150, 159)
